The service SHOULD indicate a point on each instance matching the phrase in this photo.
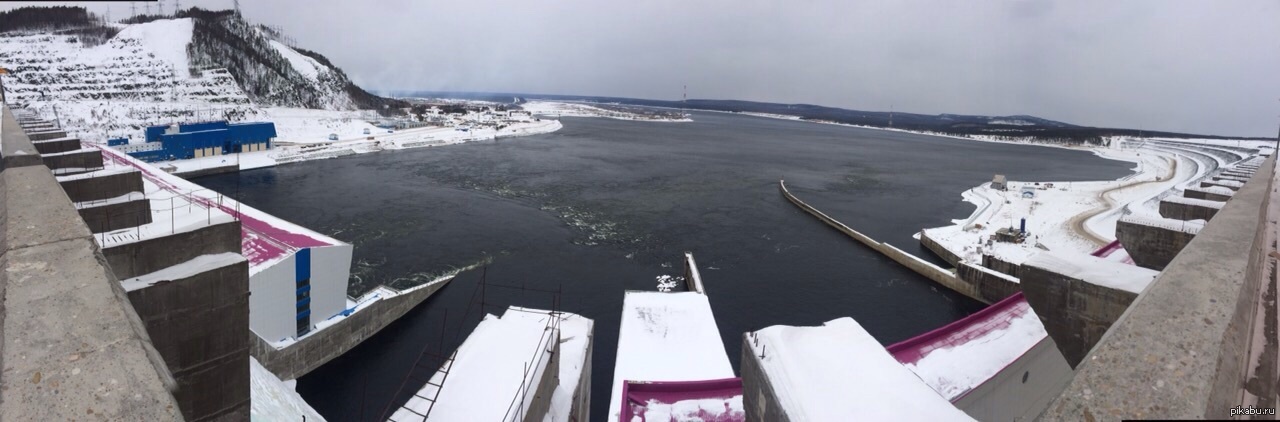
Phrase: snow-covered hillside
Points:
(206, 65)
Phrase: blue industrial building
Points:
(204, 139)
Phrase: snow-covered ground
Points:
(667, 337)
(839, 372)
(494, 375)
(575, 109)
(273, 400)
(1076, 216)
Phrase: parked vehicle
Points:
(333, 136)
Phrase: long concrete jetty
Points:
(938, 274)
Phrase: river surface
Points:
(604, 206)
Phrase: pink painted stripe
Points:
(260, 241)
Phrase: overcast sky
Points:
(1188, 66)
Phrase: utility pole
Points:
(891, 115)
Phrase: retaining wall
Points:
(1200, 194)
(938, 249)
(1149, 246)
(102, 187)
(991, 286)
(1181, 211)
(56, 146)
(1002, 266)
(1074, 312)
(120, 215)
(316, 349)
(72, 161)
(134, 259)
(200, 325)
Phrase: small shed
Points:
(998, 182)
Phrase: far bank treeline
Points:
(1003, 127)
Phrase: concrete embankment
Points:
(942, 276)
(317, 349)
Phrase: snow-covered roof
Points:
(960, 356)
(838, 372)
(1094, 270)
(667, 337)
(495, 373)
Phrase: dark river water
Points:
(604, 206)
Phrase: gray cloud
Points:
(1190, 66)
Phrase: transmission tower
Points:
(236, 3)
(147, 8)
(177, 7)
(133, 9)
(161, 6)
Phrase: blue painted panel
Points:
(301, 290)
(304, 314)
(303, 260)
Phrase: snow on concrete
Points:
(576, 333)
(839, 372)
(494, 373)
(186, 269)
(1094, 270)
(966, 357)
(273, 400)
(1185, 226)
(667, 337)
(1193, 201)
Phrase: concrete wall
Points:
(209, 171)
(1074, 312)
(151, 255)
(1002, 266)
(759, 399)
(1022, 390)
(322, 346)
(1180, 211)
(200, 325)
(1151, 247)
(60, 145)
(546, 387)
(1182, 349)
(103, 187)
(938, 249)
(990, 285)
(939, 275)
(71, 346)
(1199, 194)
(46, 135)
(67, 162)
(581, 409)
(120, 215)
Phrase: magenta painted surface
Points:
(260, 241)
(994, 317)
(636, 396)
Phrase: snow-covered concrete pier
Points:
(833, 372)
(526, 365)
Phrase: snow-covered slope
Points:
(203, 65)
(274, 400)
